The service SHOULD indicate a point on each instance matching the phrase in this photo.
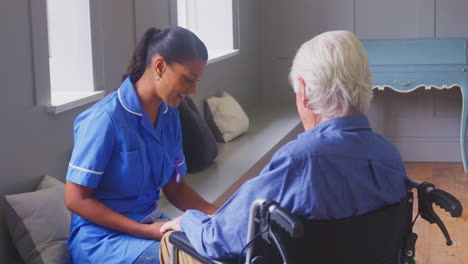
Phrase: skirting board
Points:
(429, 149)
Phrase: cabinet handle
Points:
(403, 83)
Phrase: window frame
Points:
(220, 54)
(42, 81)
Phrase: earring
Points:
(159, 78)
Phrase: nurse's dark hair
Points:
(174, 44)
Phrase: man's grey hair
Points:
(335, 69)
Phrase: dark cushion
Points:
(199, 144)
(211, 123)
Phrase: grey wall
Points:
(423, 124)
(285, 25)
(34, 143)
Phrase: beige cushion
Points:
(48, 182)
(39, 223)
(225, 117)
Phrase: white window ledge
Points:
(219, 55)
(63, 101)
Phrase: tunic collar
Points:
(129, 100)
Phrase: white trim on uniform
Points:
(86, 170)
(167, 108)
(128, 110)
(182, 162)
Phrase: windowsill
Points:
(61, 102)
(219, 55)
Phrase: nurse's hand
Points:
(174, 224)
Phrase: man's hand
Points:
(171, 225)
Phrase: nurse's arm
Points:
(184, 197)
(79, 200)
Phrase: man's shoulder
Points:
(363, 145)
(301, 147)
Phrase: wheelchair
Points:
(379, 237)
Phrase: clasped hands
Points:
(173, 224)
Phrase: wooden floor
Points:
(430, 247)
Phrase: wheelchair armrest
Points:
(180, 241)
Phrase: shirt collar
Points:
(130, 101)
(340, 123)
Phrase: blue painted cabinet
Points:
(407, 64)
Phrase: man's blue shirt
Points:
(339, 168)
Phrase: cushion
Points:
(225, 117)
(39, 223)
(48, 182)
(199, 144)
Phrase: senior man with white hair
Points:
(337, 168)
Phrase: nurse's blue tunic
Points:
(118, 152)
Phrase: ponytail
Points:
(138, 62)
(175, 44)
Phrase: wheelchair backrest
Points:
(375, 237)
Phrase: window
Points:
(68, 81)
(214, 22)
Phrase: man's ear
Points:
(302, 92)
(159, 66)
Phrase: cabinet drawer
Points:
(408, 81)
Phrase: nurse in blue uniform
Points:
(128, 147)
